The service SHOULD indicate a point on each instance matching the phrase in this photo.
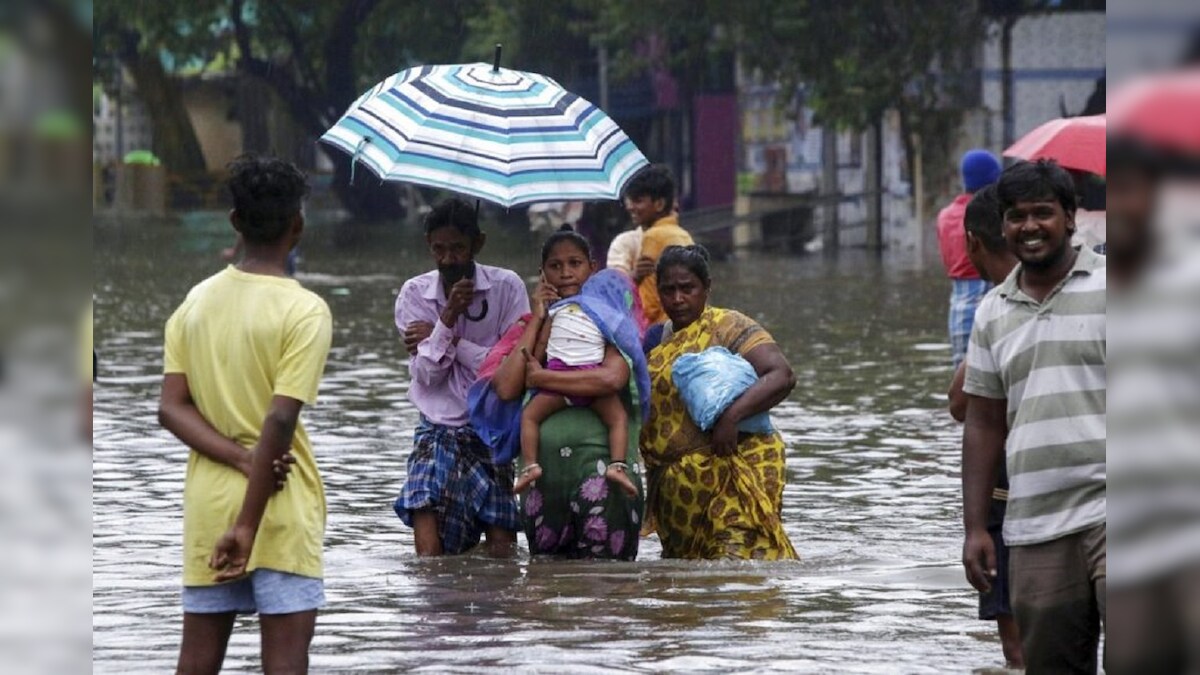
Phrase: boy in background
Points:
(650, 199)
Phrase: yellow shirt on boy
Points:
(240, 339)
(663, 233)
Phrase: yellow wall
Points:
(220, 137)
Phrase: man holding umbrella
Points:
(449, 319)
(509, 137)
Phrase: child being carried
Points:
(574, 342)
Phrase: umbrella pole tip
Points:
(496, 60)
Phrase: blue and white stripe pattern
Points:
(506, 136)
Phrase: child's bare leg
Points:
(540, 407)
(612, 413)
(285, 641)
(205, 638)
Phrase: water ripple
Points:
(871, 502)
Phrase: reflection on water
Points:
(871, 503)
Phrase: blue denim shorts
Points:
(264, 591)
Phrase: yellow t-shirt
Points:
(663, 233)
(241, 339)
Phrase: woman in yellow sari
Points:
(716, 494)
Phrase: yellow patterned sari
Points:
(704, 506)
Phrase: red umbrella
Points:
(1074, 142)
(1161, 109)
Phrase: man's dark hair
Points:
(655, 182)
(453, 212)
(984, 221)
(267, 194)
(694, 258)
(1036, 181)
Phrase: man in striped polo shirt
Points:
(1037, 381)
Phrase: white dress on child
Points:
(574, 337)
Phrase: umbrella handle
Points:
(483, 312)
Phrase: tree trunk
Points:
(314, 106)
(174, 138)
(253, 102)
(74, 46)
(831, 189)
(367, 198)
(874, 183)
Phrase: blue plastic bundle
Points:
(710, 381)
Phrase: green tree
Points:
(551, 41)
(316, 56)
(852, 59)
(138, 35)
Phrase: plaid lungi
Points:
(965, 296)
(450, 471)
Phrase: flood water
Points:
(872, 502)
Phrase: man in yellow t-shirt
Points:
(650, 199)
(244, 352)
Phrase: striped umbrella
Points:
(502, 135)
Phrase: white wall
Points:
(136, 123)
(1056, 59)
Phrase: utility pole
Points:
(830, 190)
(874, 185)
(120, 122)
(1006, 79)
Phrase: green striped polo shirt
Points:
(1048, 360)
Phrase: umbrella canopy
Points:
(1074, 142)
(502, 135)
(1160, 109)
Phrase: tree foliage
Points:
(138, 34)
(317, 56)
(849, 60)
(557, 42)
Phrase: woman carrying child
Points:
(570, 506)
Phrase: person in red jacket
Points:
(979, 168)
